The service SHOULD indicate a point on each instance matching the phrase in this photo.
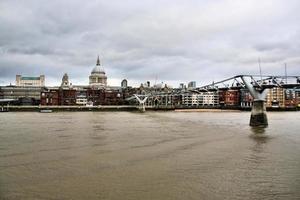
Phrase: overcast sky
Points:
(164, 40)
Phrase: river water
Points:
(152, 155)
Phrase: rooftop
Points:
(30, 78)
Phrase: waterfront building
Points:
(246, 98)
(190, 99)
(82, 97)
(210, 98)
(58, 96)
(232, 98)
(176, 100)
(222, 92)
(29, 95)
(201, 99)
(98, 78)
(50, 97)
(290, 98)
(68, 96)
(229, 97)
(97, 96)
(107, 96)
(30, 81)
(297, 97)
(113, 96)
(275, 98)
(1, 93)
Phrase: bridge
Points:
(256, 84)
(259, 82)
(141, 100)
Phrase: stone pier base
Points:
(142, 108)
(258, 114)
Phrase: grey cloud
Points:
(173, 40)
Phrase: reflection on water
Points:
(258, 155)
(258, 130)
(154, 155)
(259, 135)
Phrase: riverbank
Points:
(207, 110)
(231, 109)
(126, 108)
(69, 108)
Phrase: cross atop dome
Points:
(98, 61)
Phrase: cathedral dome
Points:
(98, 77)
(98, 69)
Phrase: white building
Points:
(201, 99)
(30, 81)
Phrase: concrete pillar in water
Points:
(142, 107)
(258, 113)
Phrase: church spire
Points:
(98, 61)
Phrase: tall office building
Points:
(192, 84)
(124, 83)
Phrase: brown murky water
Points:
(154, 155)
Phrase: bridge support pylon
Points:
(258, 113)
(141, 106)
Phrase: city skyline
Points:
(167, 41)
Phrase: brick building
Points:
(246, 99)
(232, 98)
